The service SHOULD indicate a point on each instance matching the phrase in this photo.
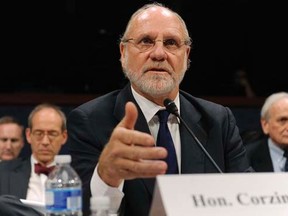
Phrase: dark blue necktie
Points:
(164, 139)
(286, 164)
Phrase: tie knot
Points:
(40, 169)
(163, 116)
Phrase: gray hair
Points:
(270, 101)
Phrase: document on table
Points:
(39, 206)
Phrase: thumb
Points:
(131, 114)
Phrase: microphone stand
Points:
(172, 108)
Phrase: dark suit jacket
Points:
(12, 206)
(14, 177)
(259, 156)
(90, 126)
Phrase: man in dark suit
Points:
(46, 133)
(112, 138)
(267, 154)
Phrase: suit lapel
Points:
(19, 179)
(142, 125)
(263, 152)
(192, 157)
(124, 96)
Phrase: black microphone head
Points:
(171, 106)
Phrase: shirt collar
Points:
(149, 108)
(276, 153)
(34, 161)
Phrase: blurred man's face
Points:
(46, 136)
(11, 141)
(276, 126)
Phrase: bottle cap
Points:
(99, 202)
(60, 159)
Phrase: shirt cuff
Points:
(100, 188)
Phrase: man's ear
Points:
(28, 135)
(65, 136)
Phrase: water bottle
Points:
(63, 189)
(99, 206)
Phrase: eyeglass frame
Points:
(152, 45)
(51, 134)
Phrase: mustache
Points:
(158, 67)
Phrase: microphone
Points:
(172, 108)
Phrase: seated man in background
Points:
(46, 133)
(270, 153)
(11, 138)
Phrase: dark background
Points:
(72, 46)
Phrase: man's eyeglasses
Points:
(39, 134)
(146, 44)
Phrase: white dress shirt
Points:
(278, 159)
(36, 187)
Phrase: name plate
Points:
(237, 194)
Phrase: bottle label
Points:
(60, 199)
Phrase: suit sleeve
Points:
(84, 149)
(12, 206)
(236, 158)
